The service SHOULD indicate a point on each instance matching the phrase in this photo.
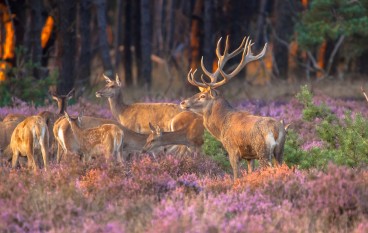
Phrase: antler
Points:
(247, 57)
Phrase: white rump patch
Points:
(62, 138)
(271, 143)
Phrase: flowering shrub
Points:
(195, 193)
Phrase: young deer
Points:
(108, 136)
(188, 136)
(243, 135)
(30, 134)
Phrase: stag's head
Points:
(153, 138)
(208, 89)
(111, 89)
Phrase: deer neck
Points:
(78, 133)
(61, 107)
(214, 116)
(117, 104)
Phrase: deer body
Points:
(108, 136)
(136, 116)
(133, 141)
(30, 134)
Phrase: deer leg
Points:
(44, 155)
(15, 158)
(234, 164)
(250, 165)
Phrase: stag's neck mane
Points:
(117, 104)
(215, 115)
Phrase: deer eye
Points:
(202, 96)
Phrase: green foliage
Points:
(330, 19)
(213, 148)
(345, 140)
(312, 111)
(22, 84)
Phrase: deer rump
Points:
(255, 137)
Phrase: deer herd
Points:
(147, 127)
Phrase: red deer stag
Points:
(243, 135)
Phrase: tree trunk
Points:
(146, 46)
(84, 67)
(100, 6)
(284, 28)
(118, 32)
(66, 45)
(170, 27)
(209, 42)
(196, 35)
(32, 36)
(136, 35)
(128, 63)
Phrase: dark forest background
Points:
(68, 43)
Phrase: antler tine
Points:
(222, 59)
(191, 79)
(246, 58)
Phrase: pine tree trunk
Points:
(66, 45)
(102, 37)
(136, 35)
(84, 66)
(209, 42)
(146, 47)
(118, 32)
(128, 43)
(284, 28)
(196, 35)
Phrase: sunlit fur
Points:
(136, 116)
(108, 136)
(30, 134)
(243, 135)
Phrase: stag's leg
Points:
(234, 164)
(250, 163)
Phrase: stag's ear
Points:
(214, 93)
(107, 79)
(201, 89)
(117, 80)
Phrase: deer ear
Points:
(117, 80)
(107, 79)
(66, 116)
(151, 127)
(214, 93)
(70, 94)
(158, 130)
(201, 89)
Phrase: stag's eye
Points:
(202, 96)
